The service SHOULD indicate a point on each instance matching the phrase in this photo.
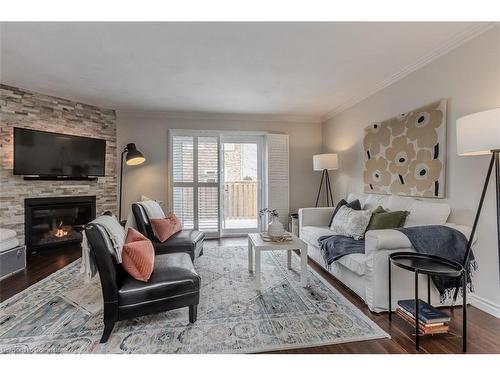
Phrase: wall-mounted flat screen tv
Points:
(48, 154)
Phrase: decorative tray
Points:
(285, 237)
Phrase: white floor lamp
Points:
(325, 163)
(479, 134)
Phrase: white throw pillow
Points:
(351, 223)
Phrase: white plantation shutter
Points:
(208, 159)
(278, 195)
(183, 205)
(183, 179)
(195, 181)
(208, 209)
(208, 184)
(183, 155)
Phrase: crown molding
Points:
(454, 42)
(220, 116)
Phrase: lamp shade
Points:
(325, 161)
(479, 133)
(134, 156)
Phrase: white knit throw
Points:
(113, 233)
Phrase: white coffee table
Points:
(256, 244)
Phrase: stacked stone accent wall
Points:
(25, 109)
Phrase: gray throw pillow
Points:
(351, 223)
(355, 205)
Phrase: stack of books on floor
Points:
(430, 320)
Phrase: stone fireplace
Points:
(26, 109)
(56, 221)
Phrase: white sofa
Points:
(366, 274)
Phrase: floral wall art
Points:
(405, 155)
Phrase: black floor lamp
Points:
(133, 157)
(325, 163)
(479, 134)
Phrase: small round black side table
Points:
(429, 265)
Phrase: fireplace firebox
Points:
(56, 222)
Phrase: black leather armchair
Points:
(185, 241)
(174, 283)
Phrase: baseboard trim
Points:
(485, 305)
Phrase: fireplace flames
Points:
(60, 232)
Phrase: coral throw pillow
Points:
(165, 228)
(138, 255)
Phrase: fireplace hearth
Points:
(56, 222)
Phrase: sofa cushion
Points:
(398, 203)
(355, 263)
(310, 234)
(173, 274)
(427, 213)
(374, 200)
(422, 212)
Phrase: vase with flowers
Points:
(274, 228)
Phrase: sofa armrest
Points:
(319, 216)
(385, 239)
(391, 239)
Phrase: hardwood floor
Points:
(483, 329)
(39, 267)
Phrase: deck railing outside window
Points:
(240, 200)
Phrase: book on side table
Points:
(430, 320)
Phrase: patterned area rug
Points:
(60, 314)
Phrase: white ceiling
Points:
(308, 69)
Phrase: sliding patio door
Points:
(219, 181)
(195, 181)
(241, 186)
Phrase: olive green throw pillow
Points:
(382, 219)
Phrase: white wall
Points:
(469, 77)
(150, 133)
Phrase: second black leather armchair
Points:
(186, 241)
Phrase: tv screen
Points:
(53, 154)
